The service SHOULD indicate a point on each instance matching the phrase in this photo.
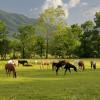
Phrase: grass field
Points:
(35, 84)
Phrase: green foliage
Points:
(97, 19)
(89, 41)
(49, 36)
(48, 20)
(39, 47)
(2, 27)
(4, 48)
(88, 25)
(4, 42)
(26, 37)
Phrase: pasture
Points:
(33, 83)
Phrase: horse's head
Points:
(75, 69)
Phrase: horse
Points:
(58, 65)
(10, 68)
(66, 65)
(22, 62)
(45, 63)
(81, 65)
(93, 65)
(54, 65)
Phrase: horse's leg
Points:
(57, 70)
(83, 67)
(14, 74)
(80, 68)
(65, 71)
(94, 66)
(9, 73)
(6, 71)
(69, 70)
(91, 66)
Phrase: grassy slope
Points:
(35, 84)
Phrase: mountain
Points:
(13, 21)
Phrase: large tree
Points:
(39, 47)
(89, 40)
(48, 21)
(26, 37)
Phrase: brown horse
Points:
(10, 68)
(45, 63)
(81, 65)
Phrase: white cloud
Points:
(56, 3)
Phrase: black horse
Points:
(54, 65)
(66, 65)
(23, 62)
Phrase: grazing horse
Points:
(93, 65)
(58, 65)
(54, 65)
(10, 68)
(81, 65)
(45, 63)
(66, 65)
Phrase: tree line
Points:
(52, 37)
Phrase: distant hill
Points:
(13, 21)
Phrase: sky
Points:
(76, 11)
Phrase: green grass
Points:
(36, 84)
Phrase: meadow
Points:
(33, 83)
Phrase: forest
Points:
(51, 37)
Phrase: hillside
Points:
(13, 21)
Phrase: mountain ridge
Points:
(14, 20)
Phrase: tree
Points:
(39, 47)
(26, 37)
(4, 48)
(4, 42)
(48, 21)
(97, 19)
(88, 25)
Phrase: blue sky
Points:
(77, 11)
